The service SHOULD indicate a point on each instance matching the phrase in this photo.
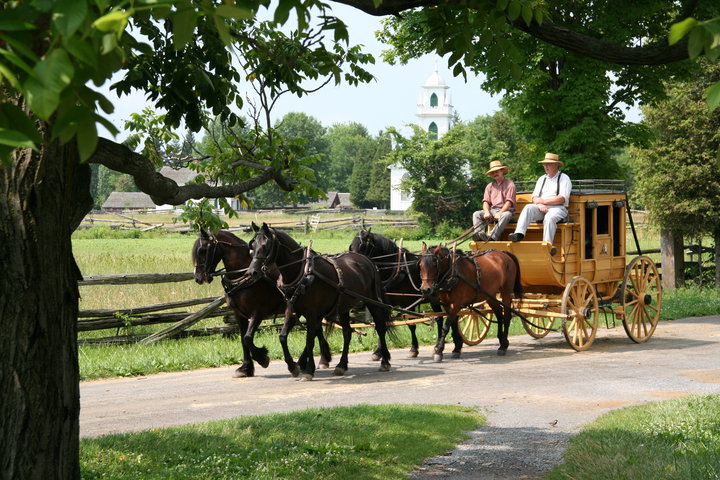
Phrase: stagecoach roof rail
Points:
(582, 187)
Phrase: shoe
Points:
(482, 237)
(553, 251)
(515, 237)
(476, 237)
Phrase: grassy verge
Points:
(676, 439)
(361, 442)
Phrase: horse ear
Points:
(254, 227)
(203, 233)
(368, 230)
(424, 247)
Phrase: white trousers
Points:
(531, 213)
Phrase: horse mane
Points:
(234, 239)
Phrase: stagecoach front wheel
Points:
(580, 306)
(473, 327)
(642, 297)
(540, 327)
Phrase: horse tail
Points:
(517, 289)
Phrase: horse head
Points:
(434, 267)
(205, 257)
(264, 248)
(363, 243)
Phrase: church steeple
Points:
(435, 110)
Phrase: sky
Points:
(390, 100)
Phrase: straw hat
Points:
(496, 165)
(551, 158)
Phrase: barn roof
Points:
(180, 175)
(128, 200)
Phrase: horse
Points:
(322, 286)
(400, 274)
(251, 300)
(461, 280)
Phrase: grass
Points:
(675, 439)
(360, 442)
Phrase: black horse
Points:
(320, 286)
(400, 273)
(251, 299)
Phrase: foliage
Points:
(704, 39)
(678, 175)
(657, 441)
(563, 102)
(380, 441)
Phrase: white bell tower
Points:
(435, 113)
(435, 110)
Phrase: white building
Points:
(435, 113)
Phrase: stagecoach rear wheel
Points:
(474, 327)
(641, 296)
(540, 328)
(580, 306)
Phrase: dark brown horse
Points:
(320, 286)
(251, 299)
(400, 273)
(460, 280)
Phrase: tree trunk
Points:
(717, 258)
(673, 259)
(43, 197)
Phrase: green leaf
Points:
(7, 73)
(82, 50)
(109, 43)
(55, 71)
(502, 4)
(527, 14)
(539, 16)
(513, 10)
(223, 31)
(680, 29)
(15, 139)
(232, 11)
(10, 25)
(87, 139)
(41, 100)
(68, 15)
(696, 43)
(18, 120)
(114, 21)
(183, 27)
(713, 96)
(282, 12)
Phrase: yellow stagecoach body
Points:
(590, 243)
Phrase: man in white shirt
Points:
(550, 200)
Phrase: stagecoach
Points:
(583, 273)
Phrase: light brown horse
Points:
(460, 280)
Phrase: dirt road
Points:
(535, 398)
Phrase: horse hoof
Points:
(437, 358)
(339, 372)
(306, 377)
(375, 357)
(385, 367)
(323, 365)
(501, 352)
(455, 355)
(242, 374)
(263, 362)
(412, 354)
(295, 371)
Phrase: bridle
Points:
(438, 283)
(367, 244)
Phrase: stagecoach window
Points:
(603, 220)
(588, 232)
(618, 216)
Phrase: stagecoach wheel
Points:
(541, 327)
(473, 327)
(580, 306)
(641, 296)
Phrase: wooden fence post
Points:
(673, 259)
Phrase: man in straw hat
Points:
(550, 200)
(498, 204)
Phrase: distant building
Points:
(435, 113)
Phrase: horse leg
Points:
(325, 354)
(259, 354)
(457, 340)
(308, 369)
(503, 319)
(440, 345)
(342, 365)
(288, 324)
(246, 369)
(414, 344)
(381, 319)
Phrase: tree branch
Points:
(163, 190)
(554, 34)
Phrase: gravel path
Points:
(535, 398)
